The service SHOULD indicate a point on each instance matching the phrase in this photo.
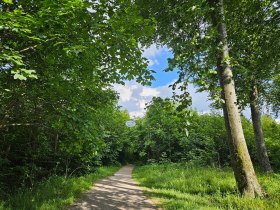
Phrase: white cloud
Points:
(200, 100)
(142, 104)
(153, 62)
(134, 97)
(125, 92)
(147, 91)
(136, 114)
(153, 51)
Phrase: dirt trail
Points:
(115, 192)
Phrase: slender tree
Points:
(242, 165)
(196, 33)
(254, 41)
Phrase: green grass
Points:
(55, 193)
(181, 186)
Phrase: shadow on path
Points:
(116, 192)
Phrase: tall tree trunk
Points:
(241, 162)
(256, 119)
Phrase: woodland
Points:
(60, 122)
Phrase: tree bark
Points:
(256, 119)
(241, 162)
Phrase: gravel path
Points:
(116, 192)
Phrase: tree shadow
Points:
(116, 192)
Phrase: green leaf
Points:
(8, 1)
(187, 132)
(20, 77)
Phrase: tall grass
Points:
(182, 186)
(55, 193)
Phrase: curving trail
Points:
(116, 192)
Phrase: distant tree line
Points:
(166, 134)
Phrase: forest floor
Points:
(116, 192)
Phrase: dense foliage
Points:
(58, 113)
(167, 134)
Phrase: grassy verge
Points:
(179, 186)
(55, 193)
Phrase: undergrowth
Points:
(55, 193)
(183, 186)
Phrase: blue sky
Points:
(158, 62)
(134, 96)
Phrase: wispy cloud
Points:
(153, 62)
(148, 91)
(134, 97)
(152, 52)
